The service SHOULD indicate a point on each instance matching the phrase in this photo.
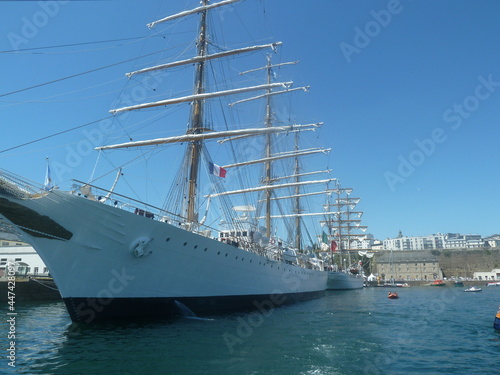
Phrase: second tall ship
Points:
(343, 230)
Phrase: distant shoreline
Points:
(449, 283)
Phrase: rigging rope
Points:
(55, 134)
(79, 74)
(76, 44)
(43, 284)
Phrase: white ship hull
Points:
(89, 249)
(343, 281)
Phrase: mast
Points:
(268, 180)
(197, 132)
(298, 231)
(267, 164)
(339, 228)
(348, 237)
(196, 126)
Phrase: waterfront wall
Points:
(29, 290)
(458, 262)
(464, 262)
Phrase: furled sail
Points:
(280, 156)
(271, 187)
(302, 175)
(304, 88)
(300, 215)
(204, 58)
(202, 136)
(310, 127)
(191, 11)
(202, 96)
(299, 196)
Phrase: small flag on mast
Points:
(324, 238)
(216, 170)
(48, 185)
(333, 246)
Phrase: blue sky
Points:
(409, 92)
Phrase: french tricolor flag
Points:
(216, 170)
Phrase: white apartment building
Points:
(493, 241)
(430, 242)
(469, 241)
(433, 241)
(363, 243)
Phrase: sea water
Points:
(428, 330)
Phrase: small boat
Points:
(459, 283)
(438, 283)
(473, 289)
(493, 283)
(496, 323)
(392, 295)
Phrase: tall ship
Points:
(208, 248)
(344, 228)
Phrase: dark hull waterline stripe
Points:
(88, 310)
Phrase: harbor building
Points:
(408, 265)
(23, 257)
(493, 275)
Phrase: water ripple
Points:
(425, 331)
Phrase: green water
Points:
(425, 331)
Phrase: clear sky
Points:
(409, 92)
